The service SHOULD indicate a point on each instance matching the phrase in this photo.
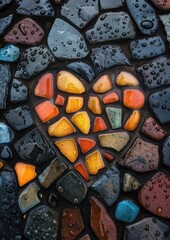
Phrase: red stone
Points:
(46, 111)
(101, 223)
(86, 144)
(162, 4)
(80, 168)
(133, 98)
(59, 100)
(111, 98)
(99, 125)
(108, 156)
(155, 195)
(45, 86)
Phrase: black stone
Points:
(5, 153)
(109, 4)
(166, 152)
(19, 91)
(52, 200)
(5, 78)
(4, 3)
(5, 22)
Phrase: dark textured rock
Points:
(85, 237)
(156, 73)
(52, 200)
(6, 134)
(110, 4)
(20, 118)
(166, 22)
(160, 105)
(148, 229)
(147, 48)
(4, 3)
(108, 56)
(6, 153)
(5, 78)
(33, 61)
(166, 152)
(5, 22)
(80, 12)
(111, 26)
(72, 223)
(141, 157)
(144, 16)
(108, 185)
(155, 194)
(42, 223)
(19, 91)
(72, 188)
(34, 147)
(130, 183)
(162, 4)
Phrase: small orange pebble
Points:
(46, 111)
(45, 86)
(126, 79)
(74, 104)
(133, 98)
(108, 156)
(86, 144)
(59, 100)
(103, 84)
(80, 168)
(1, 165)
(111, 98)
(99, 125)
(94, 162)
(94, 105)
(133, 121)
(25, 173)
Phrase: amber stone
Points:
(133, 98)
(103, 84)
(126, 79)
(74, 104)
(133, 121)
(94, 105)
(94, 162)
(82, 121)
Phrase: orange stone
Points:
(126, 79)
(46, 111)
(59, 100)
(25, 173)
(45, 87)
(133, 98)
(111, 98)
(94, 105)
(74, 104)
(99, 125)
(1, 165)
(133, 121)
(86, 144)
(80, 168)
(103, 84)
(108, 156)
(94, 162)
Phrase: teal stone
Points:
(6, 134)
(9, 53)
(115, 117)
(126, 211)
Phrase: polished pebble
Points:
(133, 121)
(9, 53)
(86, 144)
(46, 111)
(126, 79)
(94, 105)
(45, 86)
(6, 134)
(94, 162)
(18, 92)
(99, 125)
(74, 104)
(103, 84)
(109, 4)
(82, 121)
(133, 98)
(5, 23)
(130, 183)
(115, 117)
(81, 169)
(5, 74)
(166, 152)
(6, 153)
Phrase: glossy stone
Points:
(1, 165)
(6, 153)
(19, 118)
(5, 74)
(60, 100)
(42, 223)
(147, 48)
(99, 125)
(28, 198)
(115, 117)
(166, 152)
(130, 183)
(141, 157)
(34, 147)
(108, 56)
(52, 200)
(26, 31)
(94, 105)
(82, 121)
(101, 223)
(108, 186)
(46, 111)
(126, 211)
(160, 105)
(133, 98)
(103, 84)
(111, 97)
(144, 16)
(6, 134)
(33, 61)
(72, 188)
(162, 4)
(35, 8)
(79, 12)
(116, 141)
(126, 79)
(4, 3)
(86, 144)
(154, 196)
(133, 121)
(72, 223)
(74, 104)
(94, 162)
(110, 4)
(5, 23)
(66, 42)
(80, 168)
(19, 92)
(9, 53)
(149, 229)
(108, 156)
(45, 86)
(166, 22)
(54, 170)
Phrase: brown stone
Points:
(85, 237)
(162, 4)
(101, 223)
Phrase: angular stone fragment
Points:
(160, 105)
(144, 16)
(154, 196)
(26, 32)
(116, 141)
(108, 185)
(45, 86)
(126, 79)
(5, 22)
(9, 53)
(72, 188)
(19, 91)
(46, 111)
(4, 3)
(28, 197)
(86, 144)
(103, 84)
(80, 12)
(147, 228)
(85, 237)
(82, 121)
(80, 168)
(72, 223)
(156, 73)
(153, 130)
(99, 125)
(6, 153)
(115, 117)
(20, 118)
(108, 56)
(111, 26)
(42, 223)
(52, 172)
(141, 157)
(34, 147)
(52, 200)
(42, 8)
(130, 183)
(110, 4)
(33, 61)
(5, 78)
(94, 162)
(6, 134)
(111, 97)
(166, 152)
(162, 4)
(66, 42)
(101, 223)
(166, 22)
(94, 105)
(74, 104)
(147, 48)
(133, 121)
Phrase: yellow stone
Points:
(61, 128)
(103, 84)
(94, 162)
(74, 104)
(82, 121)
(94, 105)
(69, 83)
(126, 79)
(68, 148)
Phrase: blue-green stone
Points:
(115, 117)
(9, 53)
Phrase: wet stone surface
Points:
(6, 153)
(166, 152)
(4, 23)
(6, 134)
(19, 91)
(166, 22)
(4, 81)
(4, 3)
(109, 4)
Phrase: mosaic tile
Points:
(94, 162)
(99, 125)
(111, 97)
(74, 104)
(18, 92)
(6, 134)
(94, 105)
(6, 153)
(166, 152)
(5, 23)
(115, 117)
(86, 144)
(4, 3)
(45, 86)
(166, 22)
(52, 200)
(9, 53)
(46, 111)
(109, 4)
(162, 4)
(133, 121)
(126, 79)
(103, 84)
(133, 98)
(81, 169)
(130, 183)
(5, 74)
